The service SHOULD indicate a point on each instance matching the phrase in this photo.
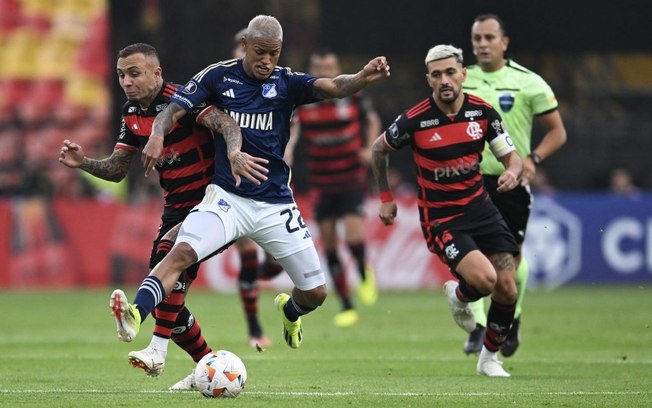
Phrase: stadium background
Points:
(61, 228)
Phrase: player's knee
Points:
(485, 283)
(315, 297)
(505, 290)
(320, 294)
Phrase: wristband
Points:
(386, 196)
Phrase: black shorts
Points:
(514, 205)
(452, 240)
(167, 223)
(336, 205)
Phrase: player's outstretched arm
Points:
(162, 126)
(242, 164)
(348, 84)
(379, 163)
(113, 168)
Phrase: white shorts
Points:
(277, 228)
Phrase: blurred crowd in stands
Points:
(56, 75)
(53, 76)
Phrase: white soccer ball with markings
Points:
(220, 374)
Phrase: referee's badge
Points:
(269, 90)
(506, 101)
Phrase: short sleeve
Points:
(399, 134)
(196, 91)
(300, 87)
(127, 140)
(542, 98)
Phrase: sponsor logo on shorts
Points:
(224, 206)
(307, 235)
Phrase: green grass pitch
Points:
(581, 347)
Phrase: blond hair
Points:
(442, 51)
(264, 27)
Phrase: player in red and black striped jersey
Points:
(338, 135)
(188, 158)
(447, 133)
(185, 170)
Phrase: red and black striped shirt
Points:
(447, 153)
(188, 152)
(334, 133)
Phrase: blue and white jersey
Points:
(263, 109)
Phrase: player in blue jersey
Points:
(261, 97)
(250, 268)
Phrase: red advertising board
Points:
(66, 243)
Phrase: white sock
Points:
(457, 301)
(485, 354)
(159, 344)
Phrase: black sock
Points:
(293, 310)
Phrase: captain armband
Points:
(502, 145)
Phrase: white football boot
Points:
(462, 313)
(149, 359)
(489, 365)
(186, 384)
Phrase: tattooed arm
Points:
(113, 168)
(220, 122)
(379, 163)
(242, 164)
(348, 84)
(162, 126)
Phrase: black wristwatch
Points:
(535, 158)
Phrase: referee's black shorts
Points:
(339, 204)
(514, 206)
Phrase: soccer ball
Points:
(220, 374)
